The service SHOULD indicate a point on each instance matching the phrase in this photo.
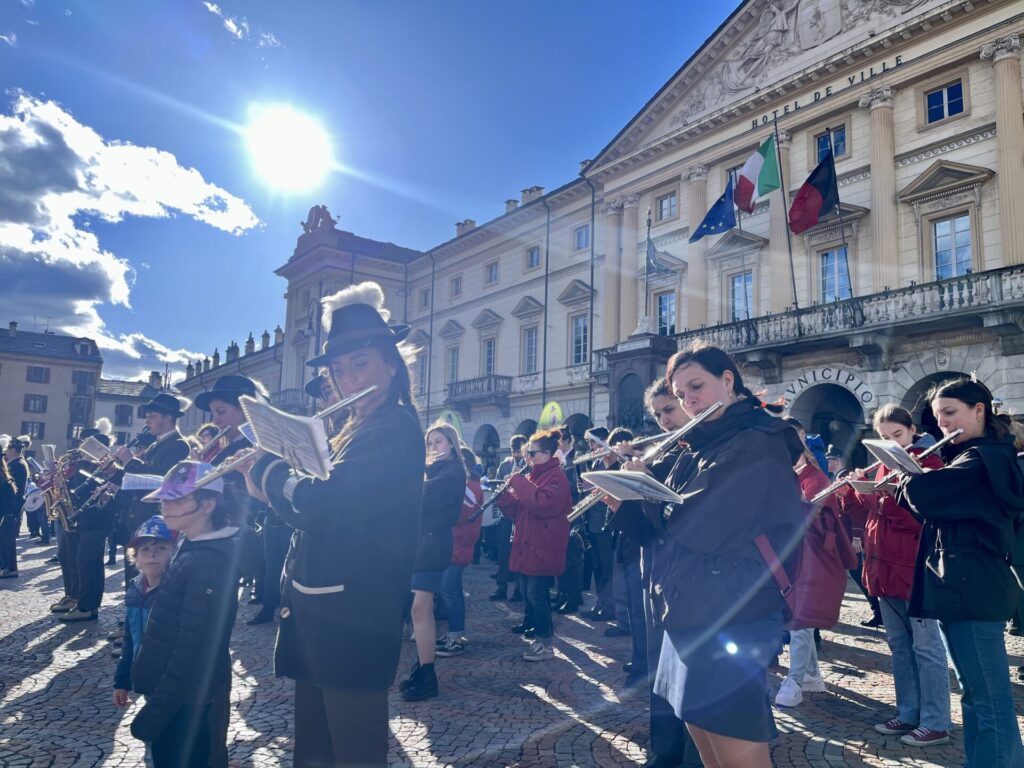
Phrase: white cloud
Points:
(238, 27)
(10, 38)
(55, 175)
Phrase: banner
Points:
(550, 416)
(451, 417)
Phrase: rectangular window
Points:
(838, 142)
(80, 409)
(34, 429)
(75, 431)
(533, 257)
(83, 383)
(455, 288)
(424, 298)
(741, 302)
(122, 415)
(35, 404)
(668, 206)
(452, 367)
(666, 313)
(123, 437)
(489, 356)
(422, 367)
(530, 350)
(952, 238)
(38, 375)
(141, 412)
(944, 102)
(581, 238)
(835, 275)
(491, 273)
(580, 339)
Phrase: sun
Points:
(289, 150)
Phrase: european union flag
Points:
(721, 218)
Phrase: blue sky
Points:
(168, 246)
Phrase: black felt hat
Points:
(355, 326)
(227, 388)
(315, 386)
(167, 404)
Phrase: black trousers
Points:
(570, 583)
(92, 547)
(67, 553)
(275, 549)
(196, 737)
(503, 532)
(339, 728)
(602, 548)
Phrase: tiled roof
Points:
(120, 389)
(49, 344)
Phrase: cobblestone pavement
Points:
(494, 709)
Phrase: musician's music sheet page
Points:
(300, 440)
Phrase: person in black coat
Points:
(443, 492)
(972, 510)
(10, 524)
(347, 575)
(713, 590)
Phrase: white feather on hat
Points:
(362, 293)
(104, 426)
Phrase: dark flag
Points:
(817, 198)
(654, 266)
(720, 218)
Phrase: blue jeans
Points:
(454, 598)
(991, 735)
(537, 600)
(803, 655)
(635, 611)
(919, 666)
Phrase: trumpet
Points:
(588, 501)
(498, 492)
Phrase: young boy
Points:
(151, 548)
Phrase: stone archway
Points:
(836, 414)
(486, 446)
(915, 400)
(525, 428)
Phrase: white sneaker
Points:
(538, 652)
(789, 694)
(815, 684)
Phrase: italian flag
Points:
(759, 176)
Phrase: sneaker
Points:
(8, 574)
(813, 684)
(538, 651)
(77, 615)
(789, 694)
(451, 647)
(894, 727)
(873, 623)
(924, 737)
(63, 605)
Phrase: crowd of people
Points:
(745, 544)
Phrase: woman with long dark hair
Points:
(971, 510)
(347, 575)
(717, 560)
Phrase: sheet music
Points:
(299, 440)
(894, 456)
(94, 449)
(132, 482)
(630, 486)
(49, 455)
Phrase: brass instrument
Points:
(57, 498)
(588, 501)
(499, 491)
(209, 451)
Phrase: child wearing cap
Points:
(183, 667)
(151, 548)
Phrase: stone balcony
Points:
(291, 400)
(483, 390)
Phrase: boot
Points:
(411, 678)
(423, 685)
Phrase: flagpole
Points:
(789, 236)
(647, 270)
(743, 265)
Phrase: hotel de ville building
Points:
(920, 277)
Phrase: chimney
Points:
(13, 329)
(462, 227)
(250, 344)
(511, 204)
(231, 353)
(584, 164)
(532, 193)
(155, 380)
(216, 358)
(278, 335)
(206, 365)
(265, 340)
(190, 370)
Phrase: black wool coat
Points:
(971, 509)
(184, 659)
(346, 578)
(443, 492)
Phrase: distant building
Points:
(122, 402)
(49, 383)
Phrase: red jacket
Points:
(891, 538)
(465, 533)
(539, 505)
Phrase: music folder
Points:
(894, 456)
(299, 440)
(868, 486)
(631, 486)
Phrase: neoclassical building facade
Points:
(921, 277)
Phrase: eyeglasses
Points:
(534, 453)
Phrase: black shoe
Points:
(423, 686)
(872, 623)
(530, 633)
(402, 686)
(255, 601)
(597, 615)
(519, 629)
(263, 617)
(634, 681)
(566, 608)
(517, 597)
(53, 560)
(617, 631)
(628, 667)
(111, 561)
(494, 576)
(498, 594)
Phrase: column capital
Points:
(696, 173)
(613, 208)
(1001, 48)
(785, 139)
(630, 201)
(882, 96)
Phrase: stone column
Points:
(1005, 56)
(884, 254)
(780, 277)
(697, 253)
(612, 270)
(629, 319)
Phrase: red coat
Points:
(539, 506)
(465, 533)
(891, 539)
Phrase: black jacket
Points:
(738, 482)
(184, 658)
(971, 510)
(443, 492)
(9, 506)
(157, 460)
(346, 578)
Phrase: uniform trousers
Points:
(91, 576)
(196, 737)
(570, 583)
(67, 553)
(602, 549)
(340, 728)
(503, 533)
(9, 525)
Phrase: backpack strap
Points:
(778, 572)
